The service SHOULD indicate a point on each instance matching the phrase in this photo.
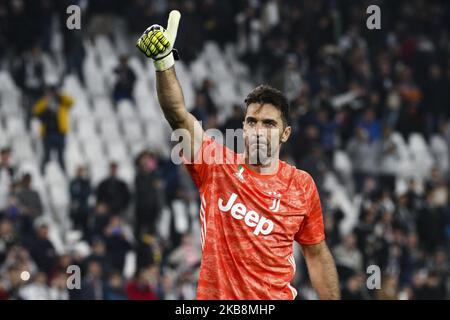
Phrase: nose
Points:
(259, 129)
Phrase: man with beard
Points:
(253, 205)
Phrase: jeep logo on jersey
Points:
(251, 218)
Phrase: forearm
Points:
(170, 96)
(322, 273)
(171, 100)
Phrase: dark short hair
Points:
(265, 94)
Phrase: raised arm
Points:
(171, 100)
(157, 44)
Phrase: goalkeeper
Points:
(253, 209)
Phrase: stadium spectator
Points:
(389, 288)
(431, 224)
(186, 257)
(289, 79)
(389, 157)
(80, 192)
(6, 178)
(58, 287)
(92, 285)
(371, 125)
(98, 220)
(142, 287)
(99, 254)
(28, 72)
(30, 204)
(8, 238)
(147, 187)
(114, 192)
(148, 250)
(37, 289)
(348, 258)
(168, 289)
(115, 288)
(53, 112)
(355, 288)
(118, 243)
(41, 248)
(124, 86)
(73, 47)
(362, 153)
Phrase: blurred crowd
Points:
(364, 92)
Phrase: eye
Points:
(251, 121)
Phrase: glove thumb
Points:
(172, 25)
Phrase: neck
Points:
(270, 167)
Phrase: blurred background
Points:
(97, 189)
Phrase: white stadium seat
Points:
(126, 110)
(92, 149)
(109, 129)
(132, 130)
(116, 151)
(22, 148)
(15, 126)
(86, 129)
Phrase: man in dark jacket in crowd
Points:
(6, 178)
(126, 78)
(147, 201)
(42, 250)
(80, 190)
(28, 73)
(114, 192)
(30, 204)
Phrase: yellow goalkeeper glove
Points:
(157, 42)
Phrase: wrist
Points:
(164, 63)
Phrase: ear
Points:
(286, 134)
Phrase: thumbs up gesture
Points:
(157, 42)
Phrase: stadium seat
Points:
(10, 95)
(147, 108)
(98, 170)
(74, 156)
(199, 68)
(86, 128)
(92, 149)
(94, 77)
(109, 129)
(132, 130)
(127, 172)
(343, 164)
(185, 79)
(22, 148)
(15, 126)
(440, 151)
(117, 151)
(126, 110)
(54, 174)
(102, 108)
(4, 140)
(180, 213)
(138, 67)
(80, 108)
(420, 155)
